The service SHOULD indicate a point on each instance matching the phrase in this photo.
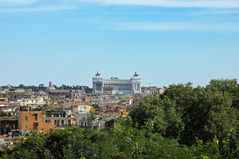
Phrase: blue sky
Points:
(67, 41)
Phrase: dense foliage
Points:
(124, 142)
(194, 114)
(184, 122)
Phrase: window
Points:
(57, 122)
(35, 125)
(26, 118)
(36, 117)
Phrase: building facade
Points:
(31, 101)
(34, 121)
(60, 118)
(115, 85)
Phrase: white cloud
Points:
(57, 5)
(187, 26)
(215, 12)
(52, 8)
(17, 2)
(172, 3)
(9, 6)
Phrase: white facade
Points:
(82, 116)
(61, 118)
(31, 101)
(115, 85)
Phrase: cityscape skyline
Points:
(104, 79)
(144, 84)
(166, 42)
